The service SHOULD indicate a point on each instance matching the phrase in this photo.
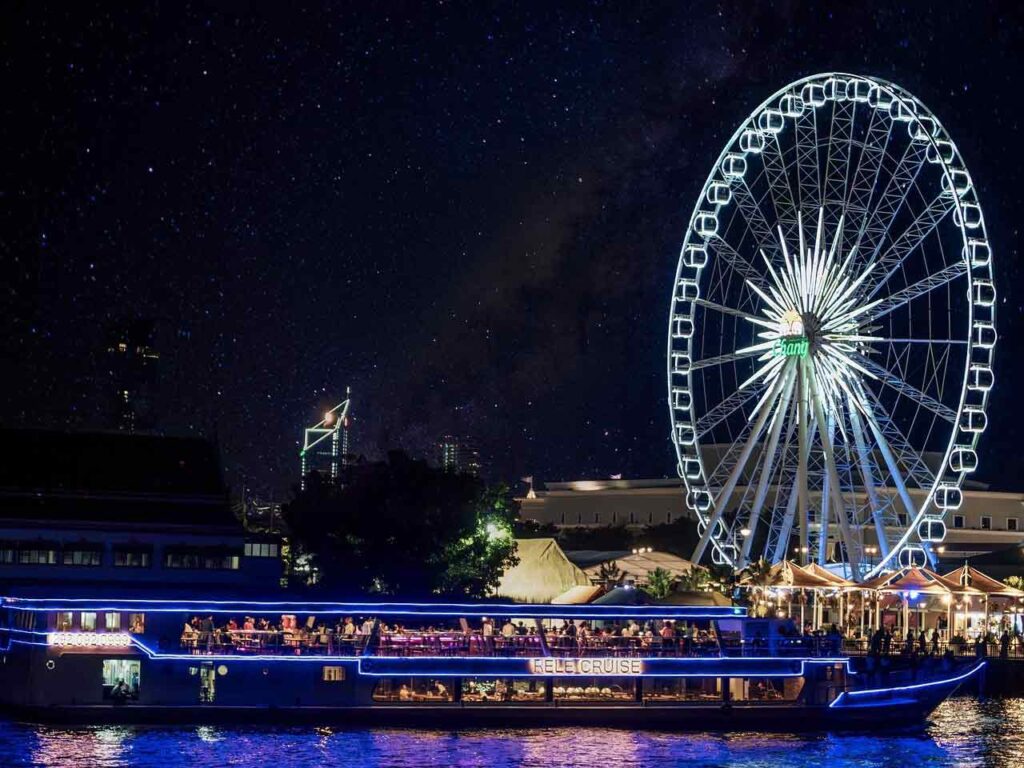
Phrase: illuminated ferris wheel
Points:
(831, 332)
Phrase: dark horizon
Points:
(469, 215)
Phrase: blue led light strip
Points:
(453, 610)
(728, 660)
(915, 687)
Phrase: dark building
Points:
(457, 454)
(121, 510)
(131, 361)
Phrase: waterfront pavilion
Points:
(970, 582)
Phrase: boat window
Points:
(65, 620)
(763, 689)
(86, 554)
(88, 621)
(333, 674)
(37, 554)
(136, 623)
(131, 557)
(682, 689)
(490, 691)
(121, 679)
(112, 621)
(419, 689)
(594, 688)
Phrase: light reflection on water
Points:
(963, 732)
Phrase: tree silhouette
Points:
(402, 527)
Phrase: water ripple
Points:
(963, 732)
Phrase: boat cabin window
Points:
(594, 688)
(418, 689)
(765, 689)
(88, 555)
(112, 621)
(333, 674)
(65, 621)
(121, 679)
(682, 689)
(136, 623)
(87, 621)
(490, 691)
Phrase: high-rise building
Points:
(131, 362)
(325, 445)
(457, 454)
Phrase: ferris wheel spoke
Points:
(779, 187)
(920, 288)
(910, 240)
(888, 340)
(838, 163)
(768, 460)
(739, 264)
(876, 226)
(869, 166)
(807, 160)
(834, 487)
(709, 362)
(892, 465)
(897, 383)
(725, 494)
(729, 310)
(864, 463)
(754, 218)
(725, 409)
(913, 463)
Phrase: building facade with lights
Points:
(111, 510)
(987, 521)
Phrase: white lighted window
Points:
(958, 521)
(112, 621)
(986, 523)
(88, 621)
(1011, 524)
(334, 674)
(260, 549)
(65, 620)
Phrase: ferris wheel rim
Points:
(937, 134)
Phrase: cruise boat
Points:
(97, 659)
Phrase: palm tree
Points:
(757, 576)
(659, 583)
(695, 580)
(609, 574)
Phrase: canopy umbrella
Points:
(966, 576)
(822, 572)
(919, 581)
(788, 574)
(976, 581)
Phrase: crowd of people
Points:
(349, 636)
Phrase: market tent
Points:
(543, 573)
(636, 565)
(788, 574)
(624, 596)
(689, 597)
(578, 595)
(966, 576)
(824, 573)
(918, 580)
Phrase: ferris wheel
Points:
(831, 332)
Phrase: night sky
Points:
(470, 213)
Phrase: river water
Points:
(962, 732)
